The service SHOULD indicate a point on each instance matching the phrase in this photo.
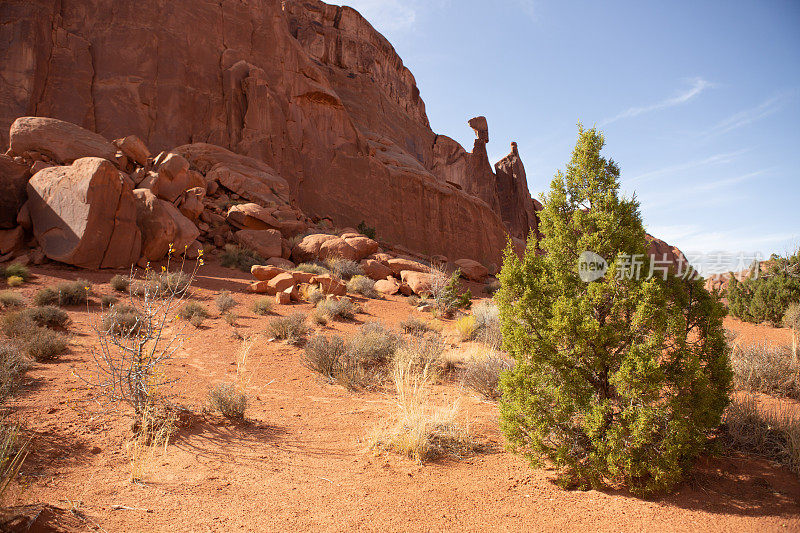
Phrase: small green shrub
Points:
(67, 293)
(229, 400)
(767, 297)
(17, 270)
(9, 299)
(43, 344)
(262, 306)
(445, 292)
(312, 268)
(342, 309)
(365, 230)
(120, 283)
(242, 258)
(344, 268)
(291, 328)
(225, 302)
(362, 285)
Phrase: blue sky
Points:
(699, 101)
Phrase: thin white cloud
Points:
(698, 86)
(748, 116)
(716, 159)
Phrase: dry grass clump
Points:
(342, 309)
(415, 326)
(229, 400)
(120, 283)
(153, 430)
(482, 374)
(374, 344)
(344, 268)
(13, 364)
(14, 281)
(466, 327)
(362, 285)
(291, 328)
(15, 270)
(315, 296)
(44, 344)
(262, 306)
(163, 284)
(108, 300)
(774, 435)
(419, 429)
(423, 355)
(312, 268)
(194, 312)
(487, 323)
(64, 294)
(230, 318)
(242, 258)
(766, 368)
(9, 299)
(225, 302)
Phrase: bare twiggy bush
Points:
(773, 434)
(123, 320)
(322, 354)
(373, 344)
(792, 320)
(445, 294)
(363, 286)
(291, 328)
(9, 299)
(487, 323)
(230, 318)
(419, 429)
(120, 283)
(767, 368)
(424, 355)
(482, 374)
(229, 400)
(225, 302)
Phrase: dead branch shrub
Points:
(225, 302)
(363, 286)
(766, 368)
(229, 400)
(66, 293)
(161, 285)
(262, 306)
(772, 434)
(291, 328)
(10, 299)
(482, 374)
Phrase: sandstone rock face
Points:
(11, 240)
(363, 246)
(133, 147)
(399, 264)
(162, 225)
(63, 141)
(375, 269)
(310, 92)
(13, 185)
(516, 205)
(472, 270)
(85, 215)
(420, 282)
(337, 248)
(329, 285)
(267, 242)
(281, 282)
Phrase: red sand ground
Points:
(302, 462)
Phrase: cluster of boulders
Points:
(393, 272)
(72, 196)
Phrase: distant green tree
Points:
(765, 297)
(618, 380)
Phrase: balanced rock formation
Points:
(85, 215)
(516, 205)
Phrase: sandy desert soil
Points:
(302, 462)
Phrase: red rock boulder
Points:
(267, 242)
(419, 282)
(162, 225)
(472, 270)
(63, 141)
(375, 269)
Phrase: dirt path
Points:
(302, 461)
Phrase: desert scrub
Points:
(161, 285)
(48, 316)
(312, 268)
(766, 368)
(770, 433)
(17, 271)
(230, 318)
(421, 430)
(120, 283)
(342, 309)
(363, 286)
(373, 344)
(491, 287)
(262, 306)
(66, 293)
(225, 302)
(445, 294)
(13, 364)
(107, 300)
(194, 312)
(422, 354)
(344, 268)
(350, 363)
(415, 326)
(43, 344)
(242, 258)
(466, 327)
(122, 320)
(291, 328)
(229, 400)
(482, 374)
(15, 281)
(487, 323)
(315, 296)
(9, 299)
